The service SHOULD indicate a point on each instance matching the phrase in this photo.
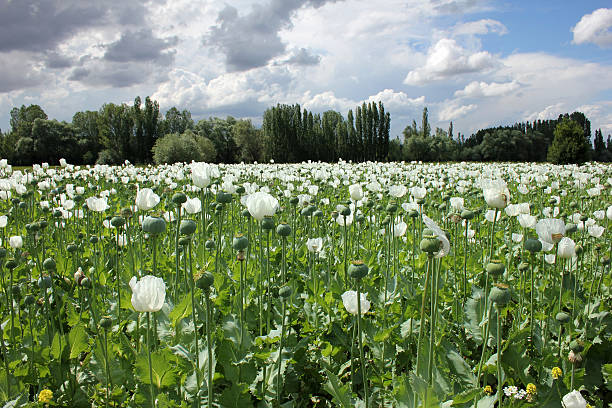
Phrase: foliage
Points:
(570, 144)
(183, 147)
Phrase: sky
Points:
(476, 63)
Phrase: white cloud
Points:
(478, 89)
(446, 59)
(594, 28)
(549, 112)
(396, 100)
(481, 27)
(452, 110)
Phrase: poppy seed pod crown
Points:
(496, 267)
(283, 229)
(358, 270)
(240, 242)
(499, 294)
(153, 225)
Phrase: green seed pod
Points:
(93, 239)
(318, 214)
(11, 264)
(240, 190)
(344, 211)
(420, 201)
(126, 212)
(106, 323)
(306, 212)
(224, 197)
(294, 201)
(576, 346)
(335, 214)
(57, 214)
(499, 294)
(219, 208)
(285, 292)
(496, 267)
(184, 241)
(358, 269)
(267, 223)
(413, 213)
(43, 224)
(359, 218)
(179, 198)
(23, 206)
(154, 225)
(2, 253)
(29, 300)
(187, 227)
(430, 245)
(379, 208)
(246, 213)
(386, 220)
(283, 229)
(49, 264)
(392, 207)
(210, 244)
(44, 282)
(240, 242)
(523, 266)
(370, 204)
(117, 221)
(71, 248)
(562, 317)
(583, 218)
(205, 281)
(467, 214)
(533, 245)
(569, 228)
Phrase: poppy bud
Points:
(562, 317)
(496, 268)
(44, 282)
(240, 190)
(499, 294)
(210, 244)
(284, 292)
(294, 200)
(205, 281)
(106, 323)
(267, 223)
(187, 227)
(246, 213)
(533, 245)
(179, 198)
(467, 214)
(358, 269)
(569, 228)
(11, 264)
(224, 197)
(117, 221)
(576, 346)
(240, 242)
(184, 241)
(283, 229)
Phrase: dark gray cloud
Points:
(19, 71)
(141, 45)
(252, 40)
(57, 61)
(303, 57)
(40, 25)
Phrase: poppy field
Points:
(306, 285)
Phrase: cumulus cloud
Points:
(19, 70)
(481, 27)
(477, 89)
(303, 57)
(452, 110)
(594, 28)
(396, 100)
(141, 45)
(549, 112)
(446, 59)
(252, 40)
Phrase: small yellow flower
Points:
(531, 388)
(556, 373)
(488, 390)
(45, 396)
(589, 406)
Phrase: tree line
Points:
(140, 133)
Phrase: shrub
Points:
(184, 147)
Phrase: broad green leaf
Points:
(162, 363)
(341, 393)
(79, 341)
(181, 310)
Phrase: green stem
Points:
(361, 358)
(149, 355)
